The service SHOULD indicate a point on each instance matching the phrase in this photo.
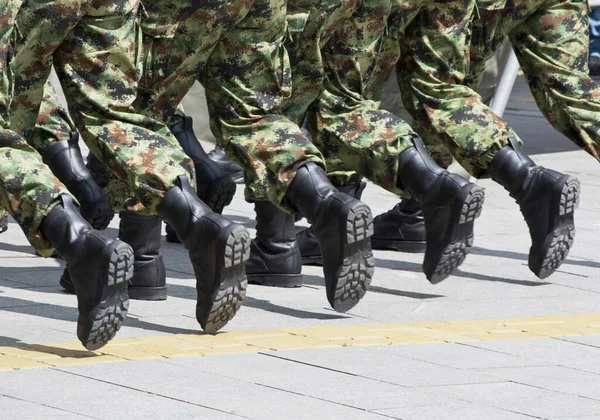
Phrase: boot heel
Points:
(105, 318)
(101, 217)
(230, 291)
(560, 239)
(358, 265)
(220, 194)
(460, 236)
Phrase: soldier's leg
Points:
(56, 139)
(446, 111)
(3, 221)
(246, 87)
(140, 151)
(557, 72)
(177, 44)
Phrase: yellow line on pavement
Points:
(253, 341)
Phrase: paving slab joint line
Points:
(254, 341)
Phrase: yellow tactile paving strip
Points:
(253, 341)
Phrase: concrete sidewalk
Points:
(492, 342)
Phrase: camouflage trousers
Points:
(94, 47)
(28, 189)
(334, 47)
(235, 48)
(551, 41)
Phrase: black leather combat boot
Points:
(344, 227)
(401, 229)
(65, 160)
(143, 234)
(215, 188)
(218, 249)
(450, 206)
(100, 267)
(228, 167)
(547, 199)
(274, 254)
(307, 240)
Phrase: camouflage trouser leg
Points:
(431, 81)
(552, 47)
(28, 189)
(95, 52)
(247, 81)
(53, 124)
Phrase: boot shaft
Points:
(63, 227)
(417, 171)
(354, 189)
(66, 162)
(513, 169)
(184, 133)
(142, 233)
(273, 224)
(309, 188)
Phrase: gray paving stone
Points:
(462, 411)
(14, 408)
(561, 352)
(457, 356)
(235, 396)
(368, 362)
(555, 378)
(522, 399)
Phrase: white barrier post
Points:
(505, 84)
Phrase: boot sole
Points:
(276, 280)
(101, 218)
(354, 276)
(220, 194)
(413, 247)
(316, 260)
(147, 293)
(105, 318)
(230, 291)
(461, 238)
(135, 293)
(559, 241)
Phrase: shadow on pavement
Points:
(523, 257)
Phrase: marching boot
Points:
(100, 267)
(307, 240)
(65, 160)
(215, 188)
(143, 234)
(228, 167)
(450, 205)
(218, 249)
(274, 254)
(547, 200)
(343, 226)
(401, 229)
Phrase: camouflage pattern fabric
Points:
(28, 189)
(94, 46)
(53, 123)
(551, 41)
(334, 55)
(236, 49)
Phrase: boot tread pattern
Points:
(358, 266)
(455, 253)
(110, 313)
(232, 288)
(353, 281)
(220, 195)
(359, 224)
(101, 218)
(563, 235)
(569, 198)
